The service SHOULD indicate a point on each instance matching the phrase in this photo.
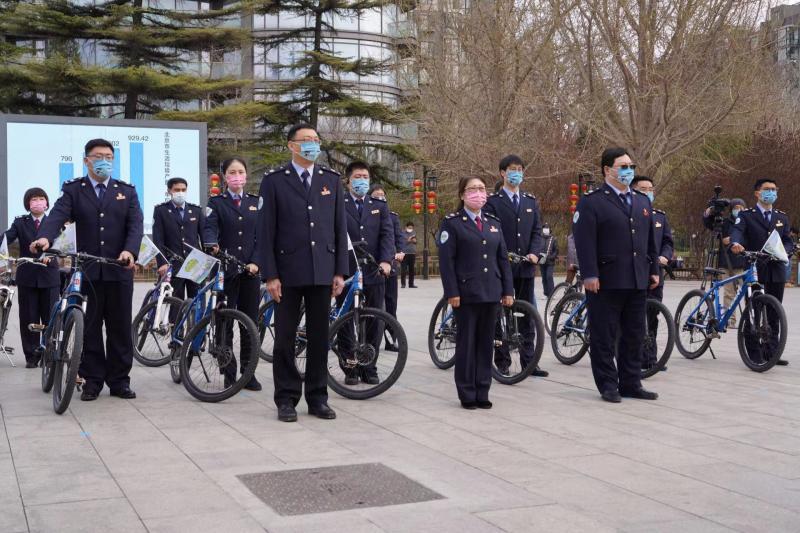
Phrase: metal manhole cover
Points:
(335, 488)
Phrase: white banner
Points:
(67, 241)
(147, 251)
(4, 252)
(197, 266)
(774, 247)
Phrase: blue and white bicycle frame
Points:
(749, 287)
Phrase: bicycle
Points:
(205, 341)
(152, 326)
(708, 318)
(569, 336)
(560, 291)
(8, 287)
(61, 339)
(266, 331)
(513, 342)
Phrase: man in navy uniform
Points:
(302, 250)
(37, 286)
(108, 223)
(377, 192)
(615, 240)
(368, 220)
(177, 224)
(521, 222)
(752, 228)
(664, 249)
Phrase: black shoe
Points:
(782, 362)
(484, 404)
(402, 286)
(412, 287)
(89, 395)
(390, 347)
(639, 394)
(351, 379)
(287, 413)
(469, 405)
(611, 396)
(322, 411)
(31, 364)
(539, 373)
(253, 384)
(125, 393)
(371, 380)
(664, 369)
(504, 370)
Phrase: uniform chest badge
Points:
(778, 224)
(253, 208)
(645, 212)
(658, 224)
(493, 229)
(120, 196)
(443, 237)
(375, 211)
(192, 219)
(325, 191)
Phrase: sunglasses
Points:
(626, 167)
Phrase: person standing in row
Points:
(615, 240)
(521, 220)
(177, 225)
(37, 286)
(108, 223)
(302, 236)
(377, 192)
(409, 250)
(548, 259)
(231, 226)
(476, 276)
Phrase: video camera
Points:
(717, 204)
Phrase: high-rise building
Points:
(784, 22)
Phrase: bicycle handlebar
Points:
(366, 258)
(517, 259)
(83, 256)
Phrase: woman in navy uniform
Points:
(231, 226)
(37, 287)
(476, 275)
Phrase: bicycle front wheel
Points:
(150, 340)
(762, 332)
(357, 368)
(693, 324)
(569, 333)
(219, 355)
(559, 291)
(65, 370)
(442, 335)
(659, 338)
(518, 342)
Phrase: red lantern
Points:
(416, 195)
(431, 195)
(431, 208)
(417, 184)
(573, 188)
(215, 191)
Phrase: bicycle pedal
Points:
(37, 328)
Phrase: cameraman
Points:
(731, 263)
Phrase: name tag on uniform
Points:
(253, 208)
(529, 210)
(325, 191)
(493, 229)
(120, 196)
(192, 219)
(376, 211)
(658, 224)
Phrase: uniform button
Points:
(361, 227)
(240, 233)
(310, 208)
(102, 243)
(484, 242)
(519, 235)
(239, 247)
(485, 269)
(102, 228)
(102, 215)
(312, 224)
(313, 243)
(633, 231)
(519, 220)
(240, 218)
(634, 254)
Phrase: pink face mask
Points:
(38, 206)
(475, 200)
(236, 182)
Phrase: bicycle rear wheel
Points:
(559, 291)
(519, 341)
(762, 332)
(357, 368)
(442, 335)
(693, 327)
(48, 362)
(659, 339)
(66, 367)
(266, 334)
(217, 349)
(569, 337)
(151, 341)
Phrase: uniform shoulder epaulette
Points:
(659, 211)
(131, 185)
(380, 200)
(529, 195)
(274, 171)
(639, 192)
(781, 212)
(73, 180)
(490, 215)
(251, 195)
(753, 209)
(192, 205)
(495, 193)
(451, 215)
(395, 213)
(587, 193)
(20, 216)
(330, 170)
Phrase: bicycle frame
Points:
(352, 298)
(568, 323)
(71, 299)
(163, 288)
(749, 283)
(199, 307)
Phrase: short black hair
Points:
(376, 187)
(33, 192)
(498, 185)
(297, 127)
(762, 181)
(637, 179)
(172, 181)
(608, 157)
(409, 223)
(94, 143)
(509, 160)
(353, 166)
(228, 162)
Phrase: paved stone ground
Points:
(719, 451)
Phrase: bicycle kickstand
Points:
(710, 349)
(7, 350)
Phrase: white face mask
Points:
(179, 198)
(546, 232)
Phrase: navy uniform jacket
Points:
(474, 265)
(172, 232)
(613, 244)
(24, 229)
(303, 235)
(522, 230)
(751, 231)
(105, 229)
(375, 227)
(398, 240)
(665, 246)
(232, 228)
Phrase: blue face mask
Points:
(102, 168)
(651, 196)
(735, 212)
(360, 186)
(625, 176)
(514, 177)
(309, 150)
(769, 197)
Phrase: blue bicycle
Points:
(212, 344)
(266, 331)
(702, 317)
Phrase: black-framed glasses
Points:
(626, 167)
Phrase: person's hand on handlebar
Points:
(337, 286)
(533, 258)
(386, 268)
(454, 302)
(126, 257)
(39, 245)
(507, 301)
(251, 268)
(737, 248)
(162, 270)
